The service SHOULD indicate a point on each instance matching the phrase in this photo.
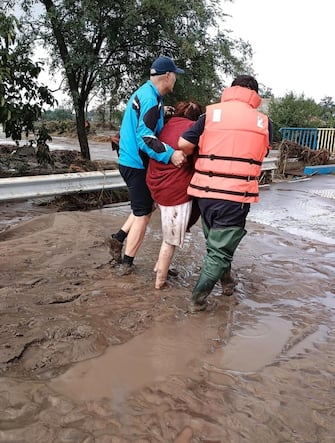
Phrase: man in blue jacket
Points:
(142, 122)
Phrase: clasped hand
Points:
(178, 158)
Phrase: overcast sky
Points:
(293, 43)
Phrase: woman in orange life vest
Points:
(168, 187)
(233, 139)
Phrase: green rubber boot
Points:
(221, 245)
(228, 284)
(202, 289)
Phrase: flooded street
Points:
(90, 357)
(296, 207)
(98, 150)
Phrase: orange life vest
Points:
(232, 147)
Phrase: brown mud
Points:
(87, 356)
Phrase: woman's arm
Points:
(190, 138)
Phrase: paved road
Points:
(301, 207)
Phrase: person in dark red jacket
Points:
(168, 187)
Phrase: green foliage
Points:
(21, 98)
(43, 154)
(294, 112)
(328, 112)
(264, 91)
(107, 47)
(57, 114)
(43, 135)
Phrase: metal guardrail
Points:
(269, 164)
(21, 188)
(17, 188)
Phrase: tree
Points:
(264, 91)
(328, 111)
(21, 98)
(104, 45)
(295, 112)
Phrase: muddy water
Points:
(171, 349)
(256, 367)
(152, 356)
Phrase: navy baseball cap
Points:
(164, 64)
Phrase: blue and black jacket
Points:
(142, 122)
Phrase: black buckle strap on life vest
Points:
(251, 161)
(223, 191)
(248, 178)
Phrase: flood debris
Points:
(292, 158)
(27, 160)
(85, 201)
